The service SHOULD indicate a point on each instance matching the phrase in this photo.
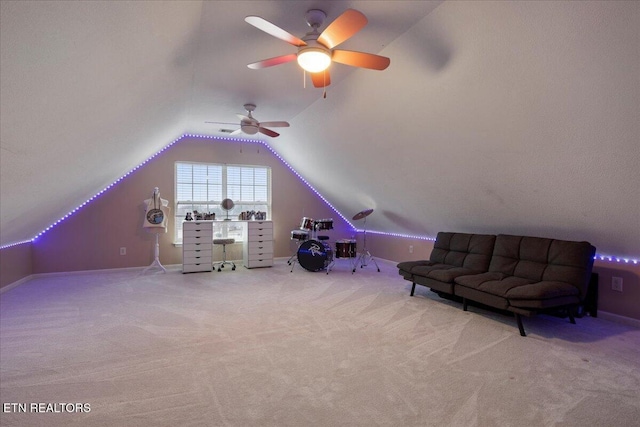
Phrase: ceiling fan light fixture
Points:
(314, 59)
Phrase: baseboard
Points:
(78, 272)
(629, 321)
(15, 284)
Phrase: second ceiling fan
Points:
(250, 126)
(317, 50)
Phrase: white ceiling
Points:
(498, 117)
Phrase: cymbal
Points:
(362, 214)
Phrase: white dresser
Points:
(257, 250)
(197, 246)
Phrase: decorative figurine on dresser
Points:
(155, 221)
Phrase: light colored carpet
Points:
(267, 347)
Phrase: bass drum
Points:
(314, 255)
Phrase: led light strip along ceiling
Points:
(600, 257)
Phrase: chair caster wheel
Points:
(219, 269)
(234, 267)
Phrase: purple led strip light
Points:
(242, 140)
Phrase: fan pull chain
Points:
(304, 79)
(324, 84)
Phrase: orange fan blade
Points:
(274, 30)
(275, 124)
(361, 59)
(321, 79)
(342, 28)
(272, 61)
(268, 132)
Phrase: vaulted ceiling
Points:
(497, 117)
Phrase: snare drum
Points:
(324, 224)
(314, 255)
(346, 248)
(307, 223)
(299, 235)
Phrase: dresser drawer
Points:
(192, 268)
(197, 239)
(197, 225)
(201, 252)
(259, 263)
(197, 259)
(204, 246)
(260, 246)
(196, 233)
(251, 225)
(260, 254)
(260, 234)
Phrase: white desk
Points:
(197, 243)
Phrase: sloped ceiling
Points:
(497, 117)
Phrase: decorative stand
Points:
(156, 261)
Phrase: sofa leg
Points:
(464, 304)
(413, 288)
(570, 311)
(520, 325)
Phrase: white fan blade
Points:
(274, 30)
(275, 124)
(236, 132)
(223, 123)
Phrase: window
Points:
(201, 187)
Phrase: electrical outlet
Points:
(123, 251)
(616, 284)
(410, 249)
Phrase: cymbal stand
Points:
(365, 255)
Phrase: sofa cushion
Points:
(494, 283)
(442, 272)
(542, 290)
(408, 266)
(471, 251)
(539, 259)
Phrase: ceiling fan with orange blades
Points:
(250, 126)
(317, 50)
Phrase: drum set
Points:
(315, 254)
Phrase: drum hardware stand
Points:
(365, 255)
(294, 258)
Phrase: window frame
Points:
(213, 205)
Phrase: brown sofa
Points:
(520, 274)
